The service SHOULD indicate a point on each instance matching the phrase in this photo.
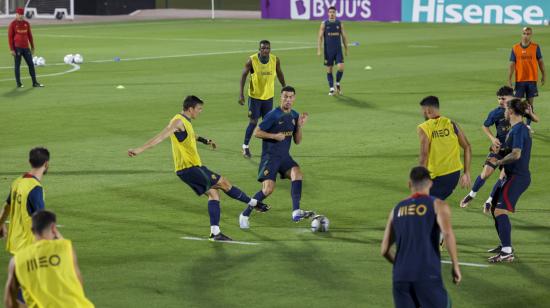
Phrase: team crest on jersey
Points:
(337, 27)
(213, 176)
(266, 172)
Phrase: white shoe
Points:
(243, 222)
(331, 92)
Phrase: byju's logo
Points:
(300, 9)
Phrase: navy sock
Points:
(504, 230)
(248, 134)
(237, 194)
(339, 75)
(214, 212)
(330, 79)
(495, 187)
(296, 194)
(258, 196)
(478, 184)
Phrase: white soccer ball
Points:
(40, 61)
(68, 59)
(319, 223)
(78, 58)
(34, 60)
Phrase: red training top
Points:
(19, 34)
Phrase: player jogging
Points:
(414, 225)
(331, 35)
(278, 129)
(262, 66)
(440, 143)
(189, 168)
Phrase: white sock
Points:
(253, 202)
(215, 230)
(507, 249)
(473, 194)
(332, 89)
(489, 200)
(245, 146)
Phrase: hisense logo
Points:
(453, 11)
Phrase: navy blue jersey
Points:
(496, 118)
(519, 138)
(278, 121)
(417, 240)
(333, 36)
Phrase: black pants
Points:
(27, 55)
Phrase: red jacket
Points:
(19, 34)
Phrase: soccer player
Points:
(47, 271)
(189, 167)
(332, 33)
(496, 117)
(414, 226)
(440, 143)
(262, 66)
(25, 198)
(277, 130)
(518, 177)
(525, 62)
(19, 37)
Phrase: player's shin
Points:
(215, 212)
(296, 194)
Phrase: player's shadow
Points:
(353, 102)
(17, 92)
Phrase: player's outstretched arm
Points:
(10, 291)
(388, 240)
(247, 68)
(207, 141)
(320, 38)
(344, 39)
(424, 148)
(465, 179)
(280, 74)
(443, 213)
(176, 125)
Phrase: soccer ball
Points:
(68, 59)
(78, 59)
(34, 60)
(40, 61)
(319, 223)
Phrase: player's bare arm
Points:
(247, 68)
(531, 114)
(3, 217)
(280, 74)
(424, 148)
(511, 157)
(344, 39)
(207, 141)
(302, 119)
(494, 140)
(174, 126)
(259, 133)
(511, 70)
(10, 291)
(388, 240)
(465, 180)
(543, 72)
(443, 213)
(320, 38)
(77, 269)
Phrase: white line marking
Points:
(75, 67)
(466, 264)
(422, 46)
(192, 238)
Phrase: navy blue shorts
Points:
(259, 108)
(333, 57)
(200, 179)
(423, 294)
(511, 190)
(526, 89)
(444, 185)
(270, 166)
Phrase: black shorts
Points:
(423, 294)
(270, 166)
(526, 89)
(511, 190)
(259, 108)
(444, 185)
(333, 57)
(199, 178)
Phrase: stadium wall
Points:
(531, 12)
(111, 7)
(240, 5)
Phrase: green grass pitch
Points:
(126, 216)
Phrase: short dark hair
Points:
(505, 91)
(419, 174)
(288, 89)
(430, 101)
(332, 8)
(518, 106)
(264, 42)
(191, 101)
(38, 157)
(42, 220)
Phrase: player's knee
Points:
(213, 194)
(268, 190)
(253, 121)
(224, 184)
(499, 212)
